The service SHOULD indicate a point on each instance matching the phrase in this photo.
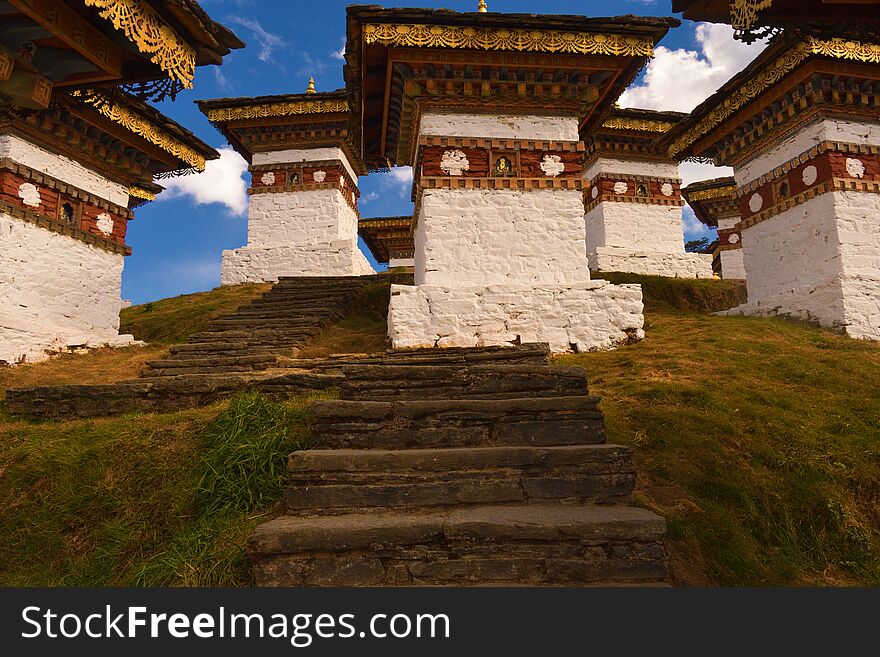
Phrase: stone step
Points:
(352, 481)
(186, 360)
(269, 312)
(389, 382)
(409, 424)
(535, 545)
(281, 323)
(159, 394)
(241, 348)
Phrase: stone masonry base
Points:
(588, 316)
(671, 265)
(261, 265)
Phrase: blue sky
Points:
(178, 239)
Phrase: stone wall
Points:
(635, 227)
(585, 316)
(651, 263)
(288, 218)
(489, 237)
(55, 293)
(732, 264)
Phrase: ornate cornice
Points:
(713, 194)
(152, 36)
(639, 125)
(772, 74)
(140, 126)
(245, 112)
(143, 194)
(516, 40)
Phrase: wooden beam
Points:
(27, 90)
(7, 63)
(75, 31)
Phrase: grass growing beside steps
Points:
(172, 321)
(757, 439)
(152, 500)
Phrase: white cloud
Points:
(679, 80)
(222, 182)
(694, 172)
(339, 54)
(368, 198)
(268, 41)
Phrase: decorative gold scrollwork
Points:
(770, 75)
(140, 126)
(152, 36)
(641, 125)
(744, 13)
(277, 109)
(479, 38)
(139, 192)
(713, 194)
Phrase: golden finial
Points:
(482, 8)
(311, 89)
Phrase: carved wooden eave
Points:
(388, 237)
(271, 123)
(712, 199)
(753, 19)
(129, 142)
(631, 133)
(152, 46)
(794, 81)
(400, 62)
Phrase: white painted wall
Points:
(819, 261)
(651, 263)
(591, 315)
(287, 218)
(611, 166)
(506, 126)
(63, 169)
(490, 237)
(55, 292)
(635, 226)
(822, 130)
(732, 264)
(300, 155)
(260, 265)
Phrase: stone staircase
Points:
(460, 468)
(253, 348)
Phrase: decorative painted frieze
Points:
(498, 158)
(632, 189)
(60, 207)
(304, 177)
(828, 167)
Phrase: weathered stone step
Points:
(351, 481)
(550, 421)
(293, 314)
(389, 382)
(167, 394)
(265, 324)
(531, 545)
(185, 360)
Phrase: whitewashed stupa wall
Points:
(639, 238)
(56, 292)
(311, 232)
(497, 267)
(820, 260)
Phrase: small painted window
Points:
(503, 167)
(65, 213)
(294, 178)
(642, 191)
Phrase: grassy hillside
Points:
(758, 439)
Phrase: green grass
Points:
(151, 500)
(172, 321)
(757, 439)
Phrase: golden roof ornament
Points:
(311, 88)
(483, 8)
